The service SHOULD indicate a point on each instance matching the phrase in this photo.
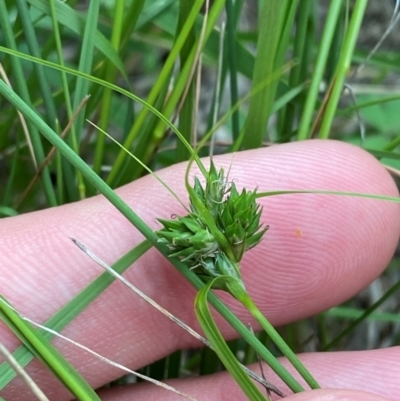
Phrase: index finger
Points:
(319, 251)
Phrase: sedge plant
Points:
(222, 224)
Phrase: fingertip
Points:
(318, 247)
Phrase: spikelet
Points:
(222, 225)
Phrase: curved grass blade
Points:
(219, 345)
(113, 87)
(85, 62)
(69, 18)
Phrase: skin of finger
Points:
(342, 375)
(335, 395)
(319, 251)
(315, 395)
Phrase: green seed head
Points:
(222, 225)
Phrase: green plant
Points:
(211, 241)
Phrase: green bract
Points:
(221, 226)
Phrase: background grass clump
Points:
(253, 73)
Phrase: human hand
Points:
(319, 251)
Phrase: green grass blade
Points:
(377, 101)
(60, 59)
(184, 75)
(32, 41)
(110, 76)
(231, 50)
(137, 14)
(245, 60)
(60, 177)
(287, 97)
(382, 154)
(304, 131)
(48, 354)
(65, 173)
(22, 88)
(226, 356)
(152, 9)
(69, 18)
(343, 66)
(300, 53)
(267, 47)
(174, 365)
(285, 25)
(85, 63)
(342, 25)
(186, 113)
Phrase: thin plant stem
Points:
(279, 342)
